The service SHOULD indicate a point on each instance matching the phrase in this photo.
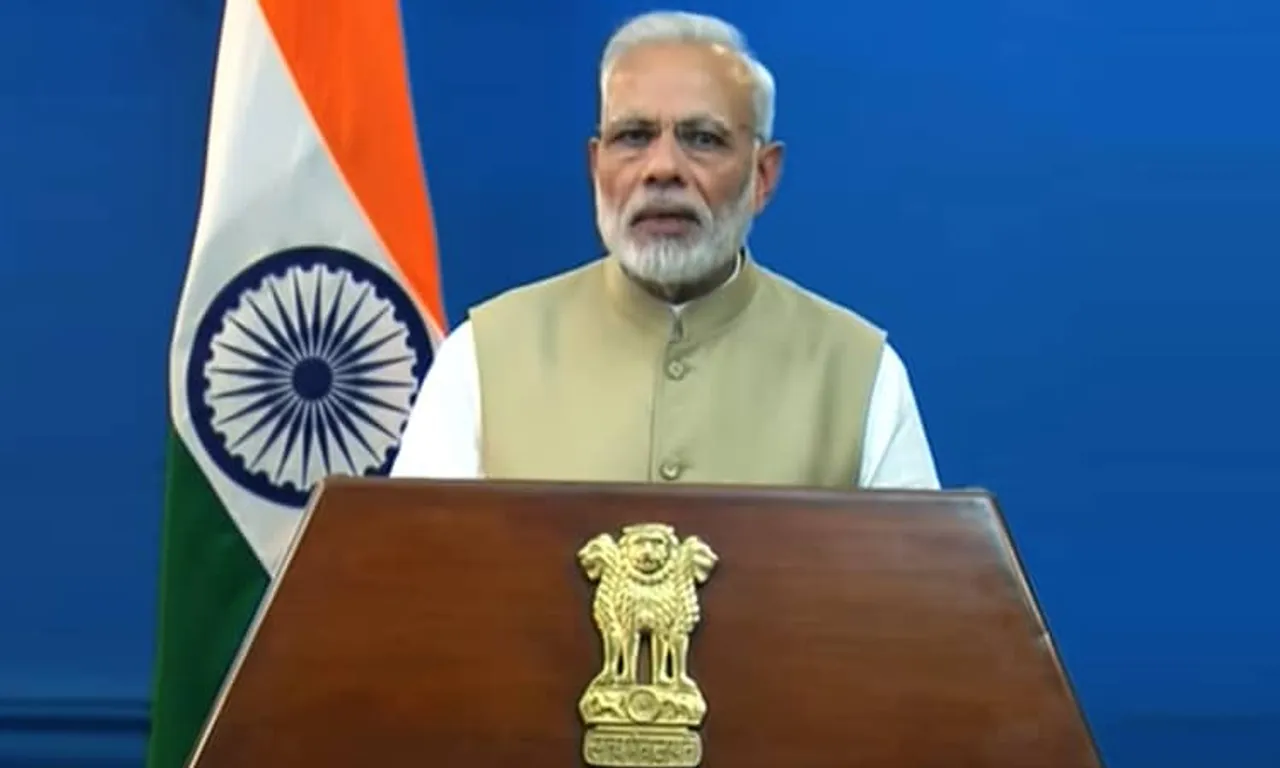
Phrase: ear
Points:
(768, 171)
(593, 156)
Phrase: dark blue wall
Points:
(1067, 212)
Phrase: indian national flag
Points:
(309, 316)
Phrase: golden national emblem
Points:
(642, 707)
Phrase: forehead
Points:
(671, 81)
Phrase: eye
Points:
(631, 137)
(702, 139)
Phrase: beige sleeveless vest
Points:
(586, 377)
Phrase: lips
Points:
(665, 214)
(665, 221)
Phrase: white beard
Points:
(675, 260)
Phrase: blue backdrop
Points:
(1065, 211)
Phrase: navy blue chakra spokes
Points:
(306, 365)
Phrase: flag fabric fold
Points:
(308, 317)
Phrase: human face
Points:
(678, 173)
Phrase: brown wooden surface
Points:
(449, 625)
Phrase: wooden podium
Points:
(443, 625)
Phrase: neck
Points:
(683, 293)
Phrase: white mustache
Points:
(667, 204)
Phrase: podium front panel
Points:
(450, 624)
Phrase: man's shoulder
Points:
(808, 307)
(540, 291)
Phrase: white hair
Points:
(681, 27)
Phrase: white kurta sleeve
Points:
(442, 437)
(896, 452)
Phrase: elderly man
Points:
(676, 357)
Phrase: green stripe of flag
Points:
(210, 587)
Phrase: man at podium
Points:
(677, 357)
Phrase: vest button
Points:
(676, 370)
(670, 470)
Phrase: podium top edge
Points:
(686, 490)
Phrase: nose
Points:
(664, 163)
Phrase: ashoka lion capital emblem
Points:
(642, 707)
